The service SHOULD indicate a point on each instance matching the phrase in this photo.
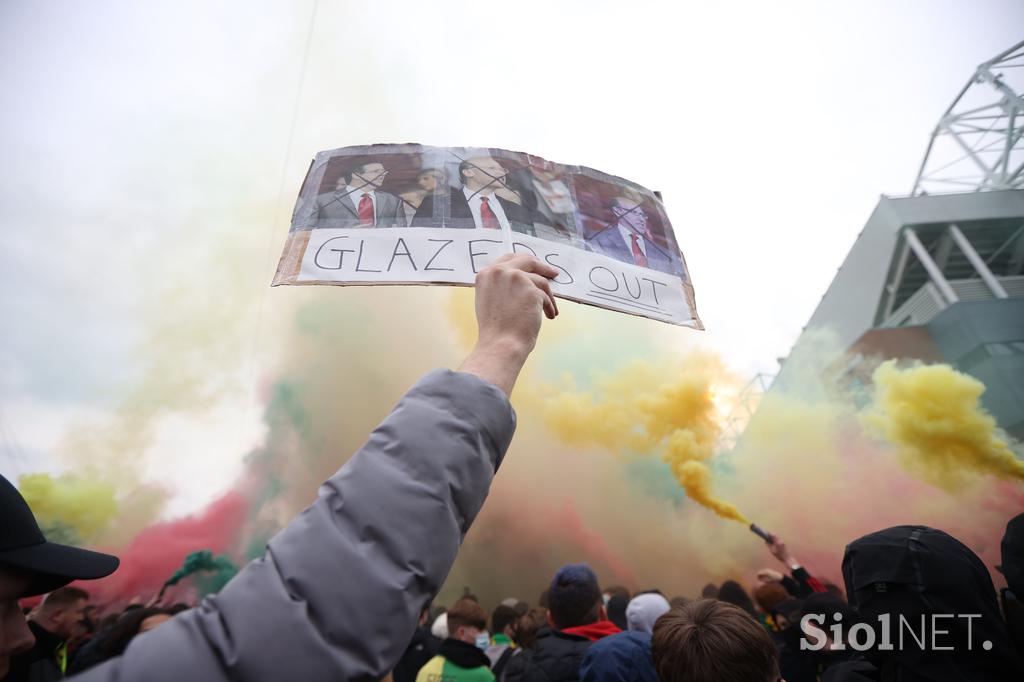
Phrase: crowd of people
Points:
(345, 591)
(579, 631)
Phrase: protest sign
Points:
(412, 214)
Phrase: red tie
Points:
(487, 217)
(366, 210)
(638, 256)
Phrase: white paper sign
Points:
(396, 214)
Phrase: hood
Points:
(644, 609)
(440, 627)
(594, 631)
(924, 575)
(1012, 548)
(463, 655)
(625, 657)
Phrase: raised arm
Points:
(337, 594)
(802, 583)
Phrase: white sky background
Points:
(770, 128)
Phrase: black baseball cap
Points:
(24, 547)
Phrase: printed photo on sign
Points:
(622, 223)
(370, 191)
(555, 218)
(486, 192)
(415, 214)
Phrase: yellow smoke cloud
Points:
(460, 311)
(648, 409)
(69, 508)
(933, 415)
(695, 478)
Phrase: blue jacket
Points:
(625, 657)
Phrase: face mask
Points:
(483, 641)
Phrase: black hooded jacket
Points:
(556, 657)
(423, 647)
(916, 573)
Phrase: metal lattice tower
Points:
(978, 143)
(746, 405)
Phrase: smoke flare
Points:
(642, 409)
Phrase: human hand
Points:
(511, 294)
(779, 550)
(767, 575)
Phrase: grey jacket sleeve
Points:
(339, 590)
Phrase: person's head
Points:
(31, 565)
(710, 591)
(770, 595)
(628, 210)
(85, 627)
(439, 628)
(827, 609)
(502, 620)
(367, 176)
(834, 589)
(616, 610)
(467, 621)
(1012, 549)
(430, 180)
(575, 597)
(644, 609)
(917, 573)
(107, 621)
(525, 631)
(15, 637)
(612, 590)
(62, 610)
(479, 172)
(733, 593)
(787, 613)
(127, 627)
(25, 551)
(712, 641)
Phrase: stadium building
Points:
(939, 275)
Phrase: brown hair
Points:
(770, 595)
(502, 617)
(712, 641)
(524, 631)
(618, 590)
(63, 598)
(466, 613)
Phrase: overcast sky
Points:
(770, 128)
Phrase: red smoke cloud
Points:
(593, 545)
(158, 551)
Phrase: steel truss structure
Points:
(978, 143)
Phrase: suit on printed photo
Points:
(612, 242)
(338, 209)
(460, 215)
